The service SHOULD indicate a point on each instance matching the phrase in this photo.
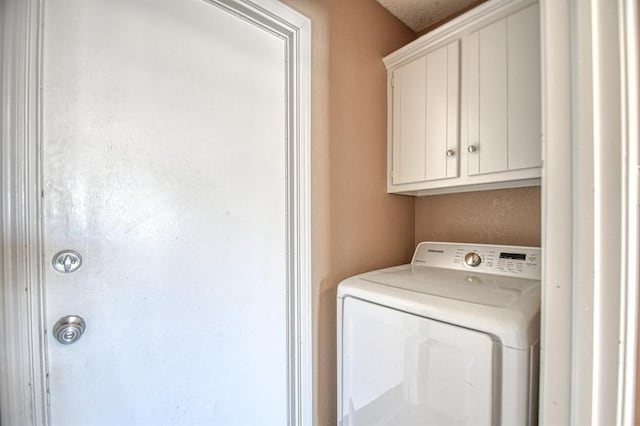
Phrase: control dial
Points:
(472, 259)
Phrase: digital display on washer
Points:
(516, 256)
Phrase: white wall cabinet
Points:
(426, 104)
(464, 103)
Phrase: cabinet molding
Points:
(470, 21)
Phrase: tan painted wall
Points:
(356, 226)
(506, 216)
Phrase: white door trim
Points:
(590, 212)
(23, 391)
(630, 75)
(23, 365)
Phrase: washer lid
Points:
(506, 307)
(482, 289)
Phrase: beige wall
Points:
(506, 216)
(356, 226)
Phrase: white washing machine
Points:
(450, 339)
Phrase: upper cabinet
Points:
(464, 103)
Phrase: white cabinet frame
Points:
(590, 212)
(23, 364)
(458, 29)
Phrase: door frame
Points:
(590, 212)
(23, 330)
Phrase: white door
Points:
(164, 160)
(409, 114)
(402, 369)
(426, 106)
(503, 61)
(442, 112)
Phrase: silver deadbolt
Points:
(69, 329)
(67, 261)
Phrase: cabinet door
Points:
(524, 88)
(443, 112)
(426, 104)
(504, 117)
(408, 122)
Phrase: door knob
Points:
(69, 329)
(451, 153)
(472, 148)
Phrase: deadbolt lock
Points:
(67, 261)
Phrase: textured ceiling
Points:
(421, 14)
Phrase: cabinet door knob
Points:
(472, 148)
(451, 153)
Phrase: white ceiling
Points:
(421, 14)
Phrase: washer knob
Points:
(472, 259)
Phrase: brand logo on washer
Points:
(435, 251)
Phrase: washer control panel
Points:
(515, 261)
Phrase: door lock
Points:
(66, 261)
(69, 329)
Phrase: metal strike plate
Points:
(69, 329)
(67, 261)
